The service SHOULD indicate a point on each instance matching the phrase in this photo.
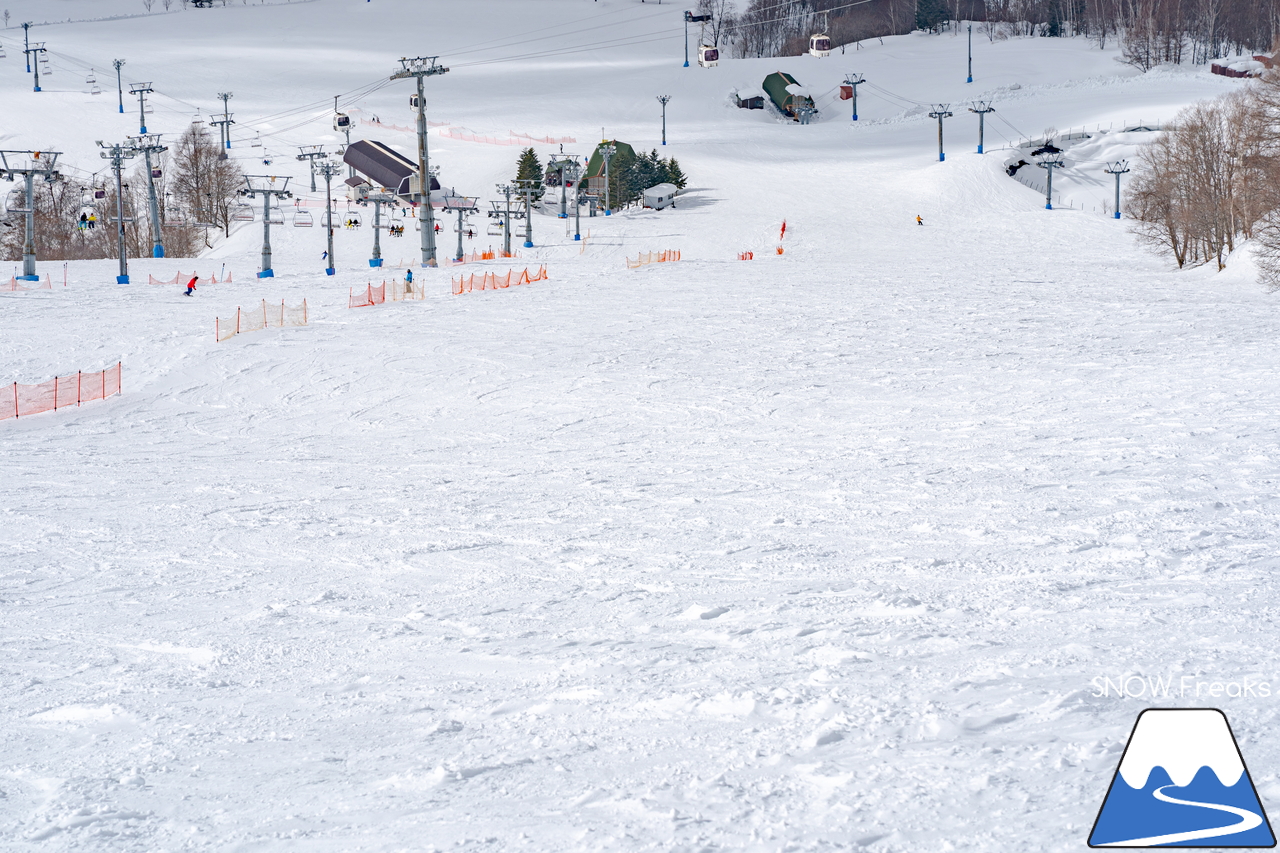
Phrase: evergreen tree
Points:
(529, 168)
(931, 14)
(672, 174)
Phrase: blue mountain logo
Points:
(1182, 783)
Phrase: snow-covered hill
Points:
(819, 550)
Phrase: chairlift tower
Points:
(664, 100)
(36, 49)
(507, 191)
(690, 18)
(1117, 168)
(117, 64)
(377, 197)
(1049, 164)
(311, 153)
(224, 126)
(43, 163)
(148, 145)
(117, 154)
(527, 188)
(970, 80)
(266, 187)
(577, 173)
(563, 164)
(419, 68)
(854, 81)
(607, 153)
(141, 90)
(462, 205)
(328, 169)
(940, 111)
(26, 43)
(981, 108)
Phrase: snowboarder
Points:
(919, 221)
(191, 285)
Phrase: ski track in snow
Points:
(816, 551)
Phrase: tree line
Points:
(1148, 32)
(1213, 180)
(629, 175)
(195, 191)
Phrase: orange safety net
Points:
(547, 140)
(183, 279)
(493, 281)
(255, 318)
(488, 255)
(653, 258)
(402, 290)
(746, 256)
(60, 392)
(369, 296)
(13, 285)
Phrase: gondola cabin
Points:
(708, 56)
(341, 122)
(820, 45)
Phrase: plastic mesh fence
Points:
(369, 296)
(493, 281)
(13, 285)
(653, 258)
(258, 317)
(60, 392)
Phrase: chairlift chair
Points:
(275, 216)
(302, 219)
(2, 53)
(820, 45)
(257, 141)
(242, 213)
(708, 56)
(89, 78)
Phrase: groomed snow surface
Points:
(817, 551)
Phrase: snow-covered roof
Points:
(662, 189)
(748, 92)
(798, 90)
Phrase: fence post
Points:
(237, 319)
(304, 312)
(217, 332)
(264, 312)
(103, 374)
(77, 387)
(120, 378)
(55, 393)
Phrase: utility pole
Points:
(141, 90)
(267, 189)
(940, 111)
(328, 168)
(664, 99)
(37, 49)
(117, 154)
(970, 80)
(40, 163)
(563, 164)
(118, 63)
(224, 127)
(26, 43)
(854, 81)
(148, 145)
(1117, 168)
(607, 151)
(1049, 164)
(311, 153)
(981, 108)
(418, 68)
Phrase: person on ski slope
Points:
(919, 221)
(191, 285)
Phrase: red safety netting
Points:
(653, 258)
(183, 279)
(13, 285)
(255, 318)
(490, 255)
(369, 296)
(746, 256)
(402, 290)
(60, 392)
(493, 281)
(548, 140)
(464, 136)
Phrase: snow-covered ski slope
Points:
(817, 551)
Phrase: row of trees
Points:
(629, 175)
(195, 191)
(1213, 179)
(1149, 32)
